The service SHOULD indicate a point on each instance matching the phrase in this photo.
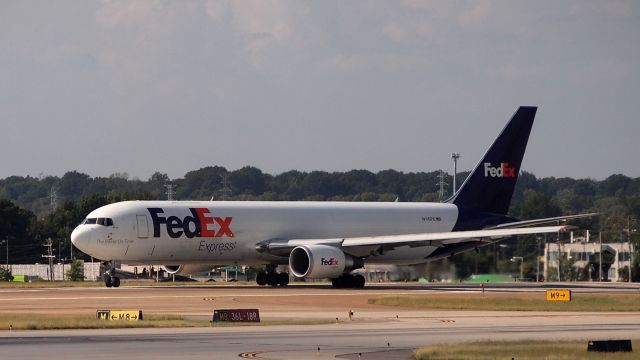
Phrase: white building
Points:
(587, 255)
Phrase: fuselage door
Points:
(143, 226)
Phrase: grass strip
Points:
(50, 322)
(521, 350)
(513, 302)
(124, 283)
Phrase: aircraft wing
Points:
(445, 238)
(520, 224)
(441, 239)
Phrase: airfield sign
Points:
(558, 295)
(131, 315)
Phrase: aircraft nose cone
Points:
(80, 238)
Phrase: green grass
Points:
(521, 350)
(124, 283)
(48, 322)
(513, 302)
(44, 322)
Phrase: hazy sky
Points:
(172, 86)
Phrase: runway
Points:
(375, 331)
(302, 342)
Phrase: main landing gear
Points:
(348, 281)
(109, 276)
(271, 277)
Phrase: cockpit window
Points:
(99, 221)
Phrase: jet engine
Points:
(187, 269)
(321, 261)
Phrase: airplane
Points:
(318, 239)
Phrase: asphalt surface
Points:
(375, 332)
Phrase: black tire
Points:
(115, 281)
(108, 282)
(348, 281)
(337, 282)
(359, 281)
(261, 279)
(272, 279)
(283, 279)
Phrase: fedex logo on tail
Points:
(200, 224)
(503, 171)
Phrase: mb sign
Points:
(558, 295)
(131, 315)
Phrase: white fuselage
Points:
(230, 230)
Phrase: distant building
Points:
(585, 259)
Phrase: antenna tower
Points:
(442, 184)
(170, 191)
(226, 190)
(53, 196)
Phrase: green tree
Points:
(76, 271)
(5, 274)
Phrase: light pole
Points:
(455, 156)
(629, 231)
(513, 259)
(6, 241)
(538, 259)
(500, 247)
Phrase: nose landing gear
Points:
(109, 276)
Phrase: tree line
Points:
(27, 217)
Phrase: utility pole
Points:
(455, 156)
(50, 256)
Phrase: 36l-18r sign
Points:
(236, 315)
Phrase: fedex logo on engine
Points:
(503, 171)
(329, 261)
(201, 224)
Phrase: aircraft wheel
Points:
(283, 279)
(108, 282)
(348, 281)
(272, 279)
(336, 282)
(261, 279)
(115, 281)
(358, 281)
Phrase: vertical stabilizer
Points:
(490, 186)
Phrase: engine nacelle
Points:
(321, 261)
(187, 269)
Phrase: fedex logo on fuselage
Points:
(200, 224)
(503, 171)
